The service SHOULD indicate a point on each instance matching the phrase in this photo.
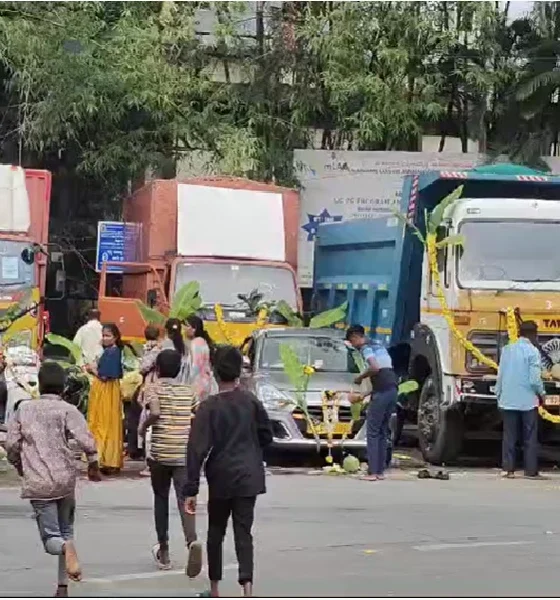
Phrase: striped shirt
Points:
(175, 404)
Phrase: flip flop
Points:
(424, 474)
(194, 560)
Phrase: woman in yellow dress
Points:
(105, 412)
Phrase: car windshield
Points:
(223, 282)
(325, 354)
(508, 251)
(14, 273)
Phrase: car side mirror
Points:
(247, 367)
(151, 298)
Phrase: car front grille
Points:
(316, 414)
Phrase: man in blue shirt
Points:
(520, 390)
(383, 399)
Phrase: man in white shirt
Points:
(89, 337)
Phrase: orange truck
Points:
(232, 236)
(24, 228)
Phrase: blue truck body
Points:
(376, 264)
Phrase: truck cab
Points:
(508, 217)
(22, 268)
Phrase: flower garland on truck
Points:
(432, 247)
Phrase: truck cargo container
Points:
(24, 226)
(230, 235)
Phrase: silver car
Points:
(335, 370)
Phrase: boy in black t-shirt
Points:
(230, 431)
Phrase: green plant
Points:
(328, 318)
(187, 301)
(299, 376)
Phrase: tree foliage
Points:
(100, 92)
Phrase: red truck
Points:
(233, 236)
(24, 228)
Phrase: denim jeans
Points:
(55, 519)
(380, 409)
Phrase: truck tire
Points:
(440, 433)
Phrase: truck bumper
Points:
(483, 390)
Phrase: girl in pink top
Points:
(201, 376)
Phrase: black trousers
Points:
(242, 511)
(526, 423)
(162, 476)
(132, 412)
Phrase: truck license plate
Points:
(552, 401)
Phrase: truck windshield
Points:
(222, 282)
(14, 273)
(508, 251)
(324, 354)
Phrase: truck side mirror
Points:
(28, 256)
(151, 298)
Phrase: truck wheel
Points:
(440, 433)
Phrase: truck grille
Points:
(491, 343)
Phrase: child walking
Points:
(229, 431)
(170, 408)
(38, 446)
(151, 349)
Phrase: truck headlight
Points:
(272, 397)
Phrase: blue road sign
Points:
(116, 242)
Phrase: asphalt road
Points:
(474, 535)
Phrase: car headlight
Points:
(272, 397)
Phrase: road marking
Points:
(142, 576)
(436, 547)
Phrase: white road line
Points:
(142, 576)
(459, 545)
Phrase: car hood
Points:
(318, 383)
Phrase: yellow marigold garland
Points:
(469, 346)
(330, 402)
(262, 318)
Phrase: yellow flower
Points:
(308, 370)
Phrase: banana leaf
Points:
(288, 313)
(329, 317)
(292, 366)
(74, 349)
(408, 223)
(437, 214)
(187, 301)
(150, 315)
(451, 240)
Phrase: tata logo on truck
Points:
(552, 323)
